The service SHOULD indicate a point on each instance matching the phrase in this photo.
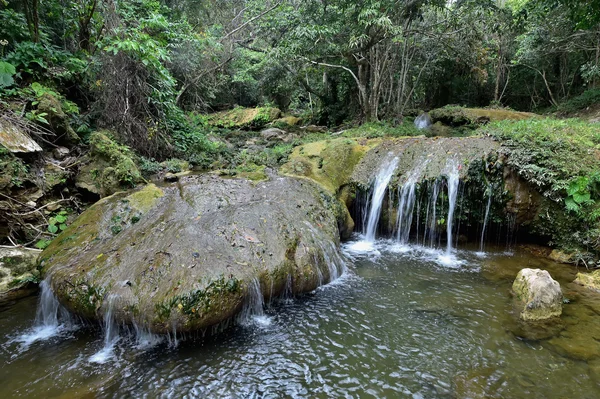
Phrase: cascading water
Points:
(379, 187)
(253, 311)
(406, 205)
(453, 181)
(431, 216)
(51, 318)
(111, 332)
(485, 220)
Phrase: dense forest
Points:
(149, 70)
(164, 86)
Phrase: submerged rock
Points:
(589, 280)
(539, 294)
(17, 271)
(188, 255)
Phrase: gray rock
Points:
(538, 294)
(60, 152)
(193, 251)
(273, 134)
(17, 268)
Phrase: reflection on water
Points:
(402, 323)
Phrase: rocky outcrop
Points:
(186, 256)
(108, 168)
(17, 271)
(15, 139)
(459, 116)
(539, 296)
(244, 118)
(589, 280)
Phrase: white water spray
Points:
(253, 312)
(406, 205)
(381, 182)
(111, 332)
(51, 318)
(453, 181)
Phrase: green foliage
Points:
(58, 222)
(7, 71)
(580, 103)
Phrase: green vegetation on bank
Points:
(560, 158)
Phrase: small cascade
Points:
(379, 187)
(406, 205)
(485, 219)
(51, 318)
(453, 181)
(431, 216)
(423, 121)
(253, 312)
(111, 332)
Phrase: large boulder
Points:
(244, 118)
(539, 295)
(189, 255)
(17, 271)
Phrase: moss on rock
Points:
(109, 166)
(244, 118)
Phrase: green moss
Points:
(144, 199)
(244, 118)
(329, 163)
(112, 166)
(198, 303)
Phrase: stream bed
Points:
(399, 323)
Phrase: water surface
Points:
(401, 323)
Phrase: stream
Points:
(399, 323)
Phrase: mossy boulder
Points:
(539, 296)
(461, 116)
(589, 280)
(17, 271)
(183, 256)
(288, 120)
(109, 167)
(58, 120)
(244, 118)
(329, 163)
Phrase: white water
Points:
(485, 220)
(51, 319)
(379, 187)
(453, 181)
(253, 312)
(423, 121)
(111, 333)
(431, 216)
(406, 205)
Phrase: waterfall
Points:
(253, 312)
(423, 121)
(431, 216)
(379, 187)
(453, 181)
(51, 318)
(487, 214)
(406, 205)
(111, 332)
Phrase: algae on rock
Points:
(108, 168)
(538, 294)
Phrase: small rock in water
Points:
(539, 295)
